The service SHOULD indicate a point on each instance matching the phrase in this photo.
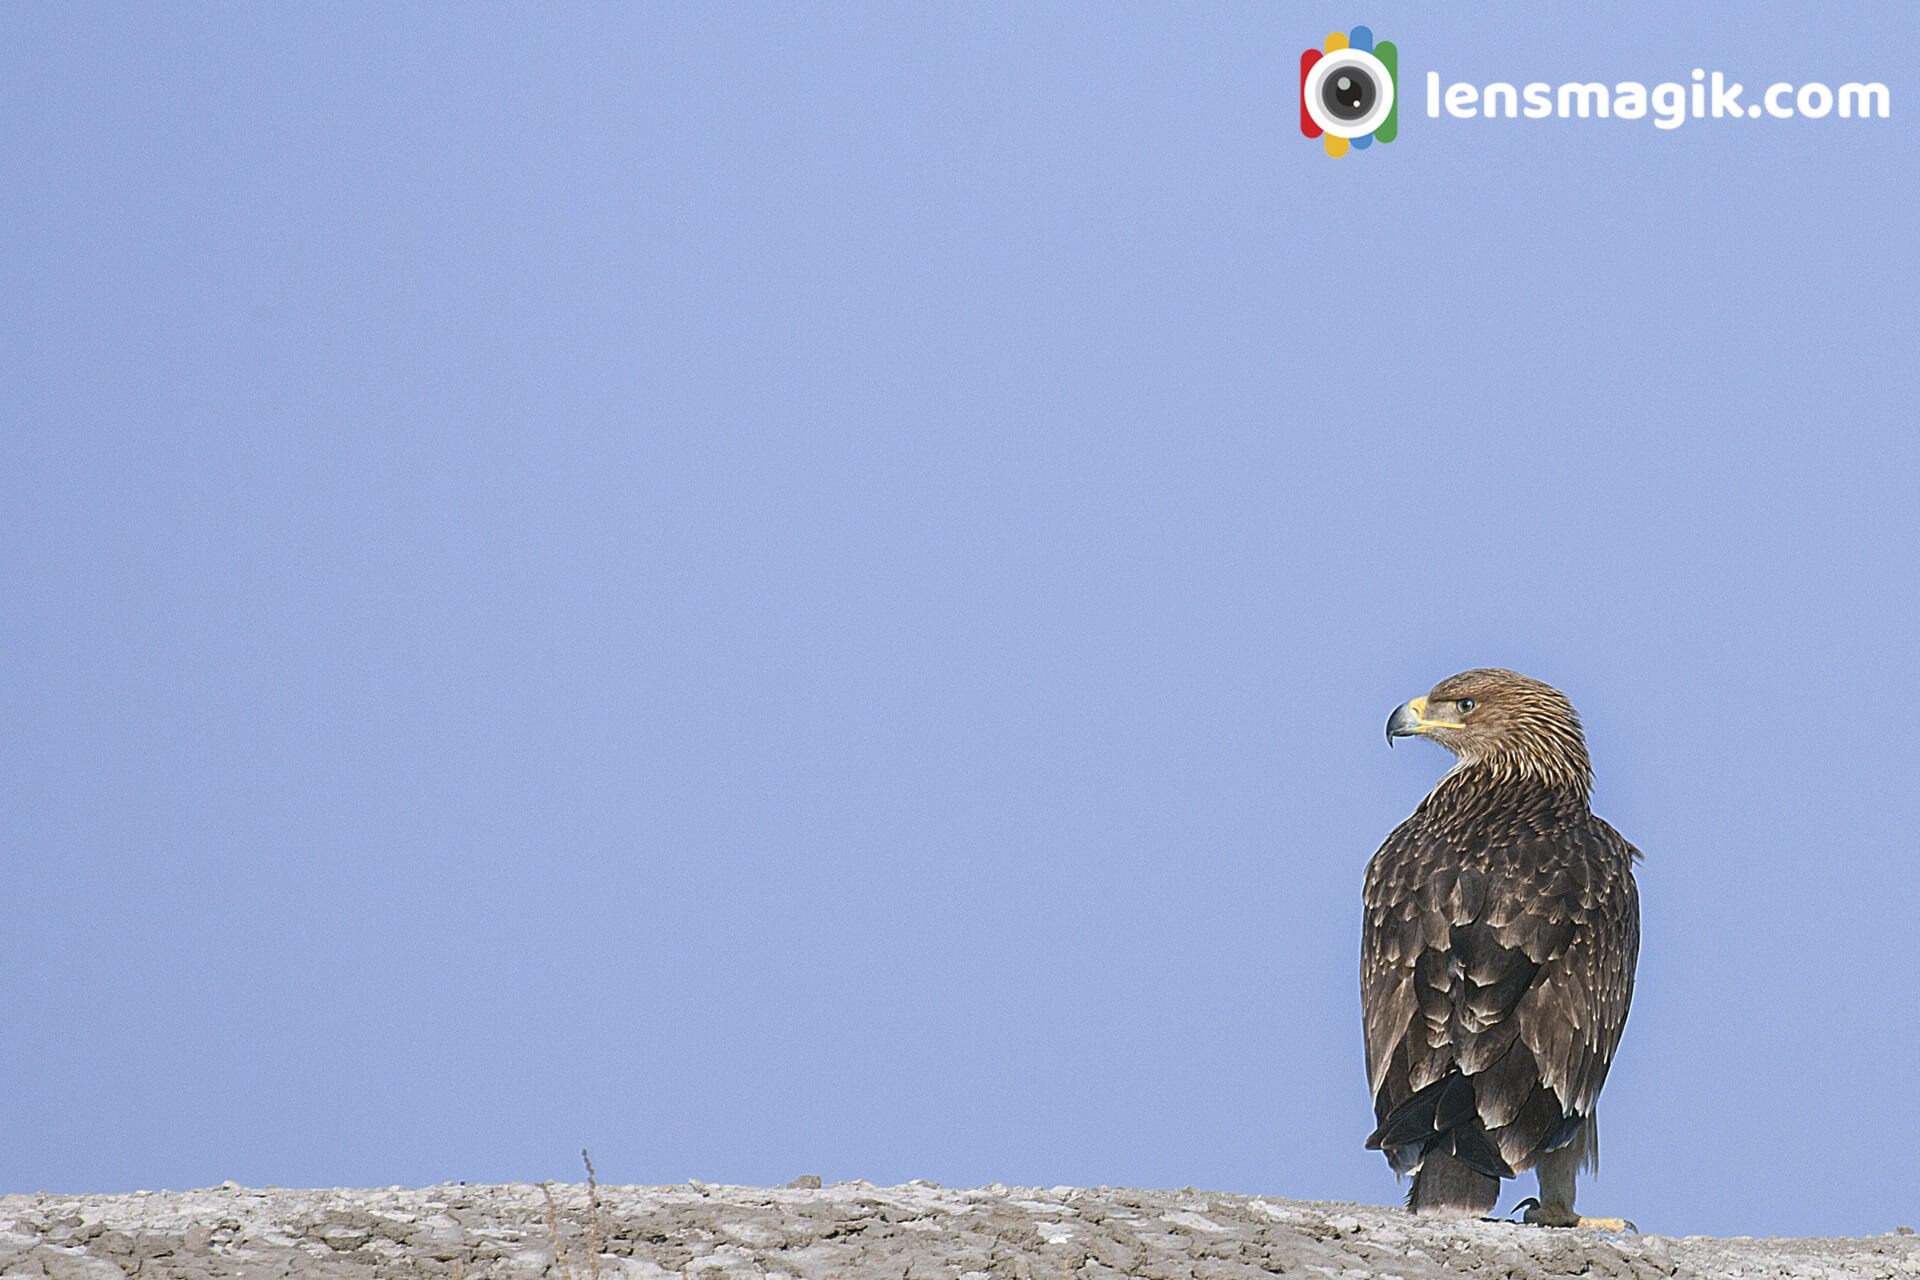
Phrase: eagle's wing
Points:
(1391, 941)
(1511, 962)
(1572, 1016)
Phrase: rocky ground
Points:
(852, 1230)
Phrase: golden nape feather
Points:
(1497, 955)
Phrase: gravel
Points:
(855, 1230)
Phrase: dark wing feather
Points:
(1497, 960)
(1573, 1014)
(1391, 943)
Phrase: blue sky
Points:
(794, 589)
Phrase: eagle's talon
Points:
(1547, 1215)
(1560, 1215)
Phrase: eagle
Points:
(1497, 955)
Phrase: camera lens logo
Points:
(1348, 92)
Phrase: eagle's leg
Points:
(1556, 1170)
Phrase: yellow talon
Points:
(1559, 1215)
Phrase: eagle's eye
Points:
(1466, 705)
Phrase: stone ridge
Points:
(849, 1230)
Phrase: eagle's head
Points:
(1507, 724)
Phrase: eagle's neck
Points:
(1535, 751)
(1483, 784)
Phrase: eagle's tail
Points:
(1444, 1185)
(1438, 1136)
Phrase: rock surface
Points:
(856, 1230)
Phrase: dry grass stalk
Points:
(553, 1234)
(593, 1227)
(593, 1218)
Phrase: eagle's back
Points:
(1497, 960)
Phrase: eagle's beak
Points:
(1404, 722)
(1411, 719)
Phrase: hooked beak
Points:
(1411, 719)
